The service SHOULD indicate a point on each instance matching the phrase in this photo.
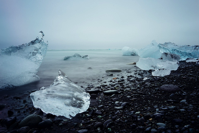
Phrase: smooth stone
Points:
(148, 129)
(110, 91)
(97, 124)
(45, 123)
(121, 107)
(114, 70)
(107, 123)
(137, 112)
(10, 120)
(31, 120)
(24, 129)
(161, 124)
(153, 130)
(169, 88)
(83, 131)
(177, 120)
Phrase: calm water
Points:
(76, 69)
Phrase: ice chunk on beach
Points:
(151, 50)
(62, 98)
(185, 51)
(160, 67)
(127, 51)
(19, 64)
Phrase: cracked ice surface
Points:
(161, 67)
(19, 64)
(62, 98)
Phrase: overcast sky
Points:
(72, 24)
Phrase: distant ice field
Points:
(78, 69)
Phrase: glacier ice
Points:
(62, 98)
(127, 51)
(160, 67)
(151, 50)
(185, 51)
(162, 58)
(19, 64)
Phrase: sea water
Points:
(80, 71)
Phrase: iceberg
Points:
(129, 51)
(76, 56)
(185, 51)
(162, 58)
(151, 50)
(62, 98)
(160, 67)
(19, 64)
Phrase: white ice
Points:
(160, 67)
(127, 51)
(62, 98)
(19, 64)
(151, 50)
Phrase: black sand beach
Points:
(123, 104)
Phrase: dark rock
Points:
(93, 91)
(169, 88)
(178, 121)
(133, 126)
(120, 107)
(9, 121)
(113, 70)
(2, 106)
(110, 91)
(31, 120)
(45, 123)
(97, 124)
(100, 106)
(98, 112)
(24, 129)
(10, 113)
(107, 123)
(148, 129)
(83, 131)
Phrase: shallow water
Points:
(76, 69)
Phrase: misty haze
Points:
(99, 66)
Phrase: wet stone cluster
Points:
(124, 103)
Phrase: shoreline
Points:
(135, 105)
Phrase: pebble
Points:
(24, 129)
(107, 123)
(169, 88)
(110, 91)
(31, 120)
(45, 123)
(83, 131)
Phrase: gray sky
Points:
(71, 24)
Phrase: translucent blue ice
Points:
(19, 64)
(127, 51)
(185, 51)
(62, 98)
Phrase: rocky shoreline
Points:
(127, 103)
